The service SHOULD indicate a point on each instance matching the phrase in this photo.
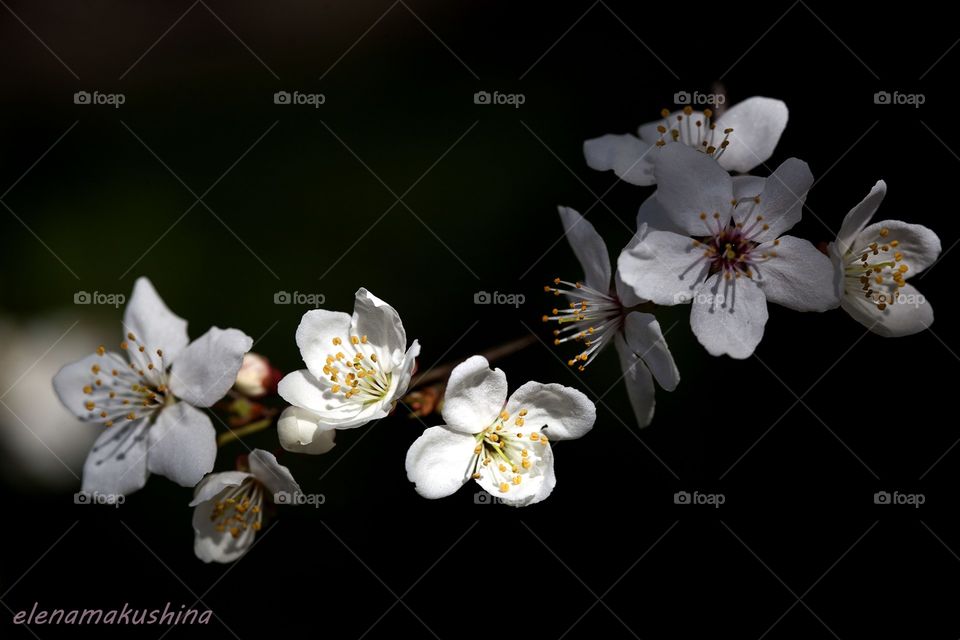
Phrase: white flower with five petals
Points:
(740, 139)
(357, 369)
(873, 263)
(228, 506)
(731, 257)
(601, 310)
(502, 443)
(149, 398)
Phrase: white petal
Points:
(316, 334)
(563, 413)
(781, 202)
(798, 277)
(757, 124)
(662, 267)
(639, 383)
(333, 410)
(404, 372)
(911, 314)
(536, 483)
(627, 155)
(440, 461)
(644, 337)
(475, 395)
(653, 214)
(748, 186)
(301, 431)
(374, 318)
(859, 217)
(728, 316)
(919, 245)
(147, 317)
(211, 545)
(214, 484)
(589, 248)
(117, 463)
(70, 381)
(183, 444)
(689, 183)
(207, 368)
(274, 477)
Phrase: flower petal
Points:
(475, 395)
(117, 462)
(859, 217)
(183, 444)
(645, 339)
(797, 275)
(627, 155)
(639, 383)
(70, 381)
(536, 483)
(781, 202)
(332, 410)
(728, 316)
(910, 314)
(316, 334)
(207, 368)
(757, 125)
(919, 245)
(689, 183)
(213, 484)
(563, 412)
(301, 431)
(211, 545)
(589, 248)
(663, 267)
(274, 477)
(440, 461)
(374, 318)
(149, 319)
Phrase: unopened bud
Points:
(256, 377)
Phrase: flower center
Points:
(355, 370)
(694, 130)
(876, 269)
(732, 248)
(239, 509)
(507, 453)
(592, 318)
(120, 390)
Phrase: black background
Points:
(797, 439)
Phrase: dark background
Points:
(797, 439)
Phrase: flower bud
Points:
(256, 377)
